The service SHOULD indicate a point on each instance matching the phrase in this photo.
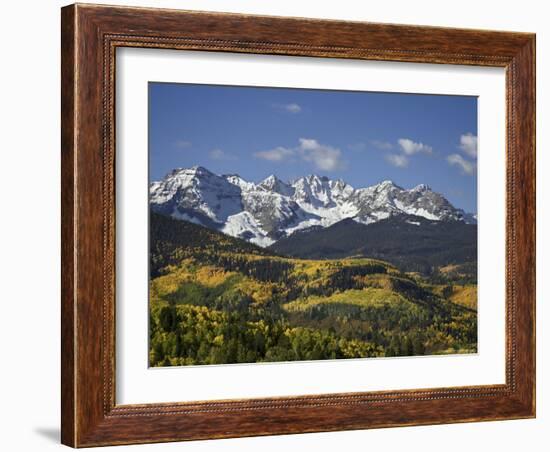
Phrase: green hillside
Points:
(215, 299)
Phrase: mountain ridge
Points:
(410, 242)
(272, 209)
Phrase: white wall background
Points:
(29, 230)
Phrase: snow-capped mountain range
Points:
(264, 212)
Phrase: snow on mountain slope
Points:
(274, 184)
(198, 193)
(245, 226)
(265, 212)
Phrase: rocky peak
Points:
(263, 213)
(421, 188)
(274, 184)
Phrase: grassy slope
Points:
(463, 295)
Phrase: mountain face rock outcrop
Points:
(265, 212)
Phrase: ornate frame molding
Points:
(90, 37)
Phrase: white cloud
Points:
(322, 156)
(182, 144)
(308, 144)
(411, 147)
(466, 166)
(382, 145)
(468, 144)
(293, 108)
(218, 154)
(400, 161)
(275, 155)
(407, 148)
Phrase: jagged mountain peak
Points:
(239, 182)
(316, 178)
(266, 211)
(271, 179)
(196, 170)
(274, 184)
(387, 185)
(311, 179)
(421, 188)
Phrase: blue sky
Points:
(360, 137)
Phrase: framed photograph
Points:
(282, 225)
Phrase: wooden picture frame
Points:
(90, 36)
